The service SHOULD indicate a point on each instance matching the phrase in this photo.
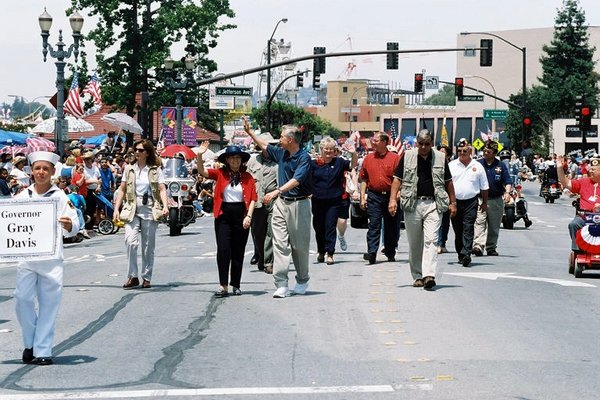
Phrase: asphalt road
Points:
(517, 326)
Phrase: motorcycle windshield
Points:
(175, 168)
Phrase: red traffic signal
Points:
(585, 111)
(458, 87)
(527, 121)
(419, 83)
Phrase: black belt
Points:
(296, 198)
(425, 198)
(380, 193)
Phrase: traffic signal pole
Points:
(324, 55)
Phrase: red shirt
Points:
(378, 170)
(83, 189)
(221, 178)
(589, 192)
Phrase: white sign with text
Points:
(29, 229)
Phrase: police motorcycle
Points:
(588, 242)
(179, 184)
(550, 189)
(515, 208)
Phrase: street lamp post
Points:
(495, 95)
(179, 84)
(351, 105)
(523, 50)
(284, 20)
(45, 22)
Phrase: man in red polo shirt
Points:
(377, 175)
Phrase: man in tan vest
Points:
(423, 185)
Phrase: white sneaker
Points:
(343, 243)
(300, 288)
(281, 293)
(85, 234)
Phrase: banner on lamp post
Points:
(168, 118)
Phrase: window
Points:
(378, 118)
(344, 89)
(354, 102)
(355, 118)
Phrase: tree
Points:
(285, 114)
(568, 65)
(444, 97)
(134, 37)
(567, 72)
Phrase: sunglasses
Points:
(463, 151)
(140, 150)
(424, 143)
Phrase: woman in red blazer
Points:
(234, 197)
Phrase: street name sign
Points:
(489, 114)
(238, 91)
(468, 97)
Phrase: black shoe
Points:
(42, 361)
(372, 258)
(391, 258)
(236, 291)
(528, 223)
(460, 257)
(320, 257)
(466, 261)
(492, 253)
(366, 256)
(477, 251)
(28, 356)
(254, 260)
(428, 282)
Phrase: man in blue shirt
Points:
(107, 186)
(291, 210)
(487, 225)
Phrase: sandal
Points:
(237, 291)
(221, 293)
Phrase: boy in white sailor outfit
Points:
(42, 279)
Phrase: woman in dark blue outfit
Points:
(328, 187)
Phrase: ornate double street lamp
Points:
(523, 50)
(284, 20)
(45, 21)
(179, 84)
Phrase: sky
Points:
(338, 25)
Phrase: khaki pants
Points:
(291, 239)
(487, 225)
(422, 226)
(146, 229)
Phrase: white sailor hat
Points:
(52, 158)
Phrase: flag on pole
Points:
(444, 140)
(73, 105)
(93, 89)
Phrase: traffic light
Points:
(459, 87)
(319, 63)
(300, 80)
(418, 83)
(485, 56)
(586, 118)
(316, 80)
(392, 58)
(527, 125)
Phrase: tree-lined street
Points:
(513, 326)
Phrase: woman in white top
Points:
(138, 177)
(17, 171)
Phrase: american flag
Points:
(93, 89)
(73, 105)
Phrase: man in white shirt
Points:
(470, 181)
(93, 180)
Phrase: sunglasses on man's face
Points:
(424, 143)
(464, 151)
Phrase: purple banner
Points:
(168, 119)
